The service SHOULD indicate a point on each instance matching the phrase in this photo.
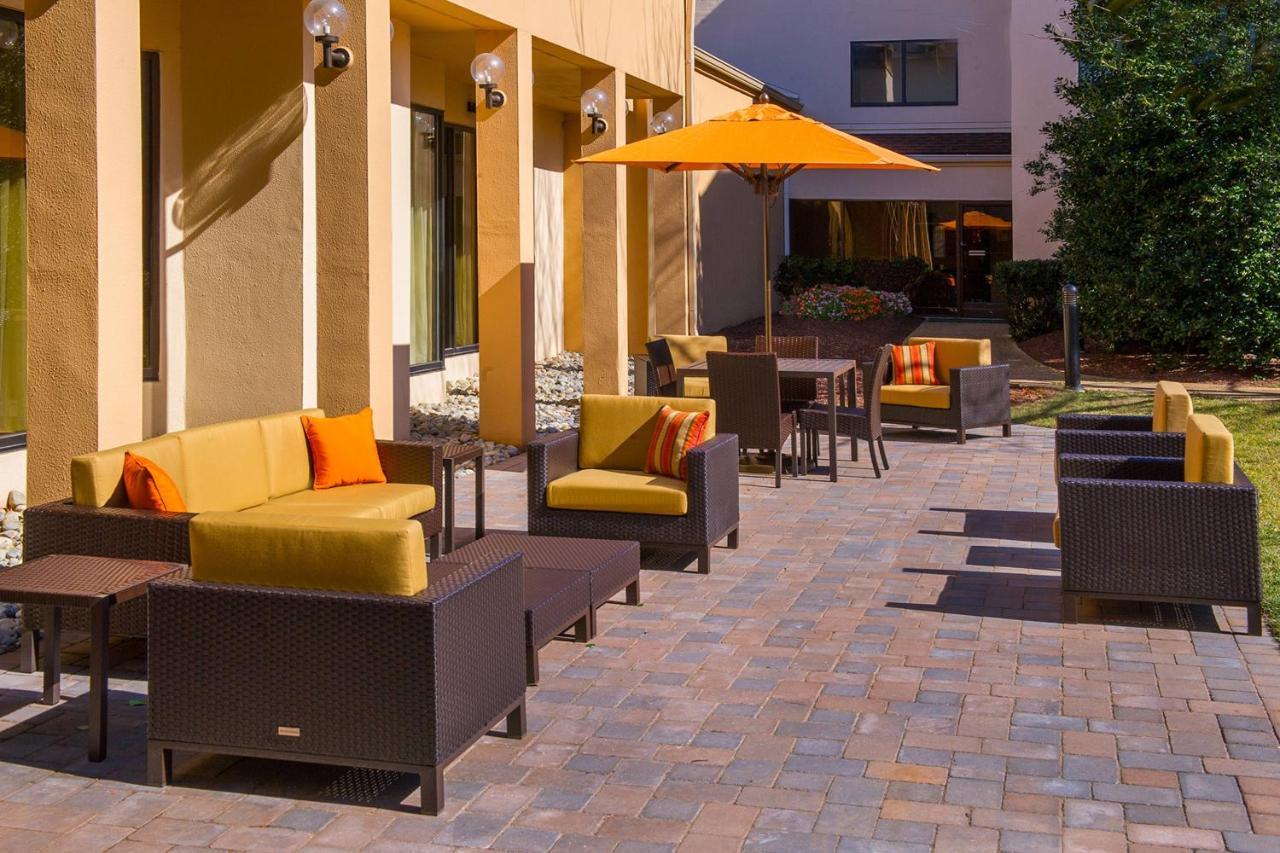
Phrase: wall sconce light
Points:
(327, 20)
(487, 70)
(595, 101)
(661, 123)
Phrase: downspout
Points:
(690, 240)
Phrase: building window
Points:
(13, 231)
(904, 73)
(151, 216)
(443, 296)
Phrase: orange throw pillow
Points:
(149, 486)
(675, 434)
(344, 451)
(915, 364)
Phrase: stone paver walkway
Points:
(880, 666)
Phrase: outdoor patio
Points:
(881, 665)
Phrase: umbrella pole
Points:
(768, 289)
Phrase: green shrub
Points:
(796, 273)
(1033, 289)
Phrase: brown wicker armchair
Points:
(748, 399)
(859, 423)
(974, 393)
(1161, 433)
(797, 394)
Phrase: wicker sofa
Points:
(590, 483)
(974, 392)
(1159, 434)
(367, 662)
(1160, 529)
(258, 466)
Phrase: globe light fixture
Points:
(327, 20)
(662, 122)
(10, 33)
(487, 70)
(595, 103)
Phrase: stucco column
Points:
(604, 247)
(505, 246)
(669, 305)
(84, 209)
(354, 341)
(639, 218)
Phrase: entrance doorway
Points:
(986, 239)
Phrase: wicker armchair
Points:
(748, 399)
(975, 391)
(797, 394)
(859, 423)
(710, 494)
(1162, 433)
(1135, 528)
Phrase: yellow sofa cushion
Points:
(309, 552)
(97, 478)
(618, 491)
(957, 352)
(288, 462)
(1210, 451)
(690, 349)
(697, 386)
(922, 396)
(1172, 407)
(226, 466)
(615, 431)
(367, 500)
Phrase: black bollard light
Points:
(1071, 336)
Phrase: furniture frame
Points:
(659, 370)
(454, 455)
(62, 527)
(1132, 529)
(860, 424)
(979, 398)
(440, 671)
(1115, 435)
(712, 491)
(748, 399)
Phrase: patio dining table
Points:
(840, 374)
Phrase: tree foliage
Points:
(1167, 170)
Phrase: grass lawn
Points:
(1256, 428)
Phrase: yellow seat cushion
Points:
(367, 500)
(950, 353)
(697, 386)
(618, 491)
(615, 431)
(1210, 451)
(690, 349)
(97, 478)
(309, 552)
(288, 460)
(922, 396)
(1172, 407)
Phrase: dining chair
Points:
(797, 394)
(860, 423)
(748, 400)
(663, 375)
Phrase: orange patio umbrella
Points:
(978, 219)
(764, 145)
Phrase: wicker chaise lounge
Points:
(1162, 433)
(974, 392)
(589, 483)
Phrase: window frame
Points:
(438, 205)
(902, 71)
(152, 258)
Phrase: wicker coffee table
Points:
(454, 455)
(96, 584)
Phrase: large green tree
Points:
(1166, 166)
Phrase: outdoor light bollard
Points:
(1071, 337)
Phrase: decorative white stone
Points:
(11, 521)
(16, 499)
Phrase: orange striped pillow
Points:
(915, 364)
(675, 434)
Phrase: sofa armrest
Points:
(982, 393)
(1113, 423)
(551, 457)
(1105, 442)
(713, 484)
(1075, 466)
(412, 462)
(129, 534)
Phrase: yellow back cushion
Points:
(689, 349)
(309, 552)
(957, 352)
(226, 466)
(96, 477)
(1172, 407)
(615, 431)
(1210, 451)
(288, 462)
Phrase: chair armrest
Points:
(412, 462)
(1105, 442)
(551, 457)
(1127, 423)
(713, 483)
(128, 534)
(1075, 466)
(982, 393)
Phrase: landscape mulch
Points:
(1047, 349)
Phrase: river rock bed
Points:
(11, 526)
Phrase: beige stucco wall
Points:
(548, 235)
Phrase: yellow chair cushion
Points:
(1057, 531)
(288, 462)
(697, 386)
(922, 396)
(618, 491)
(1210, 451)
(1172, 407)
(615, 431)
(690, 349)
(226, 466)
(957, 352)
(368, 500)
(309, 552)
(97, 478)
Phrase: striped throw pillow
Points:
(915, 364)
(675, 434)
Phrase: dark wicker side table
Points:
(96, 584)
(454, 455)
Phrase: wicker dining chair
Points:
(748, 400)
(859, 423)
(662, 369)
(797, 394)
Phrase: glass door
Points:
(986, 239)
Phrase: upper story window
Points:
(904, 73)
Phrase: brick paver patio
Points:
(879, 666)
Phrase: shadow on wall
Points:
(729, 275)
